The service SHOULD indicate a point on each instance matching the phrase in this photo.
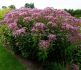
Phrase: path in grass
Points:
(9, 62)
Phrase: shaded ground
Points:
(29, 65)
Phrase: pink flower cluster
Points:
(19, 32)
(38, 27)
(44, 44)
(51, 24)
(43, 19)
(51, 37)
(13, 26)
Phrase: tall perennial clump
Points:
(43, 34)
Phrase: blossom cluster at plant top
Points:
(46, 21)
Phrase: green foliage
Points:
(77, 56)
(42, 55)
(61, 50)
(53, 66)
(75, 13)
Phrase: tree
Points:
(75, 13)
(12, 7)
(29, 5)
(4, 7)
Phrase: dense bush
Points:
(44, 35)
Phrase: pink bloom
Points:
(44, 44)
(12, 26)
(52, 24)
(66, 26)
(74, 38)
(19, 32)
(9, 20)
(28, 18)
(24, 14)
(52, 37)
(36, 15)
(33, 29)
(48, 17)
(38, 27)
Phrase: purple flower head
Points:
(13, 26)
(19, 32)
(52, 24)
(36, 15)
(52, 37)
(74, 38)
(28, 18)
(9, 15)
(66, 26)
(49, 18)
(24, 14)
(8, 21)
(74, 30)
(47, 11)
(44, 44)
(39, 27)
(33, 29)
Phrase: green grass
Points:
(8, 62)
(3, 12)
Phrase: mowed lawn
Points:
(9, 62)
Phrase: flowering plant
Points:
(44, 34)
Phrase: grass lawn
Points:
(8, 62)
(3, 12)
